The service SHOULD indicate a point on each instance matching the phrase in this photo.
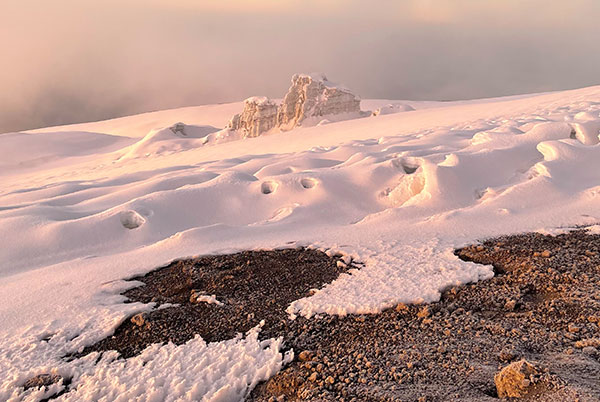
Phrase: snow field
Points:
(84, 207)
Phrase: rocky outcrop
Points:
(259, 115)
(311, 97)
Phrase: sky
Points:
(68, 61)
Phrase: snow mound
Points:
(22, 151)
(393, 108)
(587, 132)
(177, 138)
(131, 219)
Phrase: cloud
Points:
(71, 60)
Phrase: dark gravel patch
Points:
(543, 305)
(252, 285)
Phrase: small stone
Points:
(139, 319)
(424, 312)
(510, 305)
(513, 380)
(313, 377)
(401, 307)
(573, 328)
(545, 254)
(329, 380)
(507, 355)
(305, 355)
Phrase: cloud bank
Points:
(72, 61)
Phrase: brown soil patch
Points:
(252, 286)
(543, 305)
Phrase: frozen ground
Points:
(84, 206)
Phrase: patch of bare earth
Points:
(248, 287)
(543, 305)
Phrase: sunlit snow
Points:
(84, 207)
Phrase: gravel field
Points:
(543, 305)
(248, 287)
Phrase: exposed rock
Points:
(314, 96)
(517, 380)
(178, 128)
(139, 319)
(42, 380)
(259, 115)
(305, 355)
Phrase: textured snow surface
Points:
(221, 371)
(84, 207)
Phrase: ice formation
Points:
(311, 97)
(259, 116)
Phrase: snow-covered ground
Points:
(83, 207)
